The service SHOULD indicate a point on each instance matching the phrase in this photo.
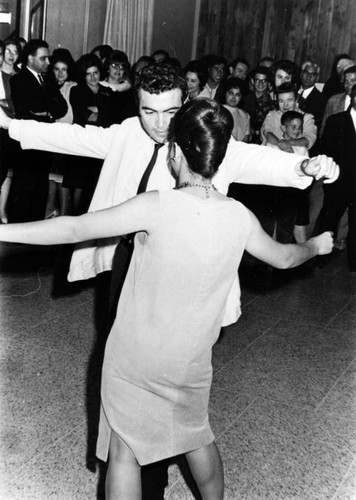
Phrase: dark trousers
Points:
(154, 479)
(258, 199)
(286, 201)
(276, 208)
(29, 187)
(337, 198)
(9, 150)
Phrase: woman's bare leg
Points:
(123, 479)
(206, 467)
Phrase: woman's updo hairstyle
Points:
(202, 129)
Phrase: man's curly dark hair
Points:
(156, 79)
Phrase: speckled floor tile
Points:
(275, 452)
(58, 472)
(298, 365)
(235, 338)
(181, 485)
(179, 491)
(20, 285)
(282, 399)
(317, 309)
(327, 285)
(225, 407)
(20, 310)
(40, 404)
(337, 265)
(337, 411)
(70, 333)
(346, 318)
(347, 488)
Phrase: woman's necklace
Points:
(194, 184)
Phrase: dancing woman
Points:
(157, 369)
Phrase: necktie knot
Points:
(158, 145)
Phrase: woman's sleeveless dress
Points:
(157, 368)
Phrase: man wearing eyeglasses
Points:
(259, 102)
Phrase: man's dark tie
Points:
(143, 184)
(40, 79)
(118, 273)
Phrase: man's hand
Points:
(319, 167)
(4, 119)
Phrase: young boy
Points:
(292, 128)
(290, 207)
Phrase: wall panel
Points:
(173, 28)
(295, 29)
(291, 29)
(77, 25)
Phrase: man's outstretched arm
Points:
(253, 164)
(63, 138)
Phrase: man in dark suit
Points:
(340, 102)
(310, 99)
(217, 69)
(339, 142)
(34, 98)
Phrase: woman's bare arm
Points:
(137, 214)
(284, 256)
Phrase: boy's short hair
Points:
(288, 116)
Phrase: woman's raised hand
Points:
(324, 242)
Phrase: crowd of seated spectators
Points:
(276, 103)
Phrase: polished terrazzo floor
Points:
(283, 400)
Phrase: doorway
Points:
(23, 18)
